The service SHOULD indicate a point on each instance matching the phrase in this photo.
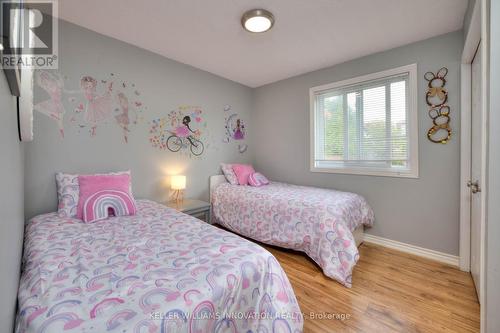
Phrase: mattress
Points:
(157, 271)
(316, 221)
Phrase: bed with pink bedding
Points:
(157, 271)
(316, 221)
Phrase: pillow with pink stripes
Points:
(257, 179)
(102, 196)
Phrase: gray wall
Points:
(11, 206)
(164, 85)
(493, 196)
(424, 211)
(468, 16)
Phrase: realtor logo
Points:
(29, 34)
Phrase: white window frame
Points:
(412, 171)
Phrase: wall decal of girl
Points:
(239, 133)
(235, 128)
(184, 130)
(175, 133)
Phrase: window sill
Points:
(367, 172)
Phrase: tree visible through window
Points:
(365, 126)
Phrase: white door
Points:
(476, 167)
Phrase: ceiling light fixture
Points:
(1, 47)
(257, 20)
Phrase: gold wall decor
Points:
(439, 111)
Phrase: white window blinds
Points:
(364, 126)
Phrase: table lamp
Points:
(178, 184)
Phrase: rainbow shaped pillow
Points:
(257, 179)
(107, 203)
(103, 196)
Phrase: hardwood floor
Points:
(392, 292)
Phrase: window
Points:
(367, 125)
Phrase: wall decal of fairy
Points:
(53, 107)
(235, 128)
(95, 102)
(122, 118)
(98, 107)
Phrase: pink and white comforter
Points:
(158, 271)
(316, 221)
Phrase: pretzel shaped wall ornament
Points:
(441, 123)
(436, 98)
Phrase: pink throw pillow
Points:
(102, 196)
(257, 179)
(243, 171)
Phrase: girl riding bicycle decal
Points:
(184, 131)
(174, 132)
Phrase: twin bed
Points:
(325, 224)
(156, 271)
(164, 271)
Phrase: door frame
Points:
(477, 33)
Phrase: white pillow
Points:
(227, 170)
(68, 193)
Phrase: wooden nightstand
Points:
(196, 208)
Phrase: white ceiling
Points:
(307, 35)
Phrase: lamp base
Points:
(178, 196)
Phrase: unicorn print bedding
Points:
(316, 221)
(156, 271)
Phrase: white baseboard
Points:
(412, 249)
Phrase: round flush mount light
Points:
(257, 20)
